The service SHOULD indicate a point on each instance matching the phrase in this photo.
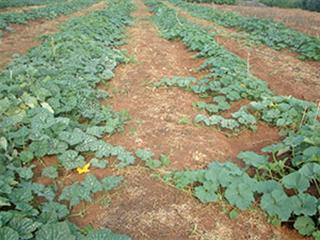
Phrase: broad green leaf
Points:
(40, 148)
(46, 191)
(3, 143)
(268, 186)
(7, 233)
(105, 234)
(71, 160)
(109, 183)
(276, 204)
(21, 195)
(4, 105)
(4, 202)
(57, 147)
(103, 149)
(304, 204)
(296, 181)
(25, 172)
(50, 172)
(125, 159)
(72, 193)
(73, 138)
(98, 163)
(55, 231)
(310, 170)
(304, 225)
(316, 235)
(253, 159)
(91, 183)
(240, 195)
(24, 226)
(312, 154)
(89, 143)
(96, 131)
(56, 211)
(144, 154)
(26, 156)
(30, 101)
(204, 195)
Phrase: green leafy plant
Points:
(82, 191)
(50, 172)
(304, 225)
(184, 120)
(50, 107)
(148, 157)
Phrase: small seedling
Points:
(233, 214)
(184, 120)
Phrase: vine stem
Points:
(318, 110)
(317, 185)
(248, 63)
(178, 19)
(303, 116)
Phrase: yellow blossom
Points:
(273, 105)
(83, 169)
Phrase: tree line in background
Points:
(214, 1)
(312, 5)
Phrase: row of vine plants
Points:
(51, 11)
(262, 31)
(283, 180)
(50, 106)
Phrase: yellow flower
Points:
(83, 169)
(273, 105)
(242, 85)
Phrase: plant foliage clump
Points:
(49, 106)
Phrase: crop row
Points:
(228, 80)
(289, 172)
(21, 3)
(51, 11)
(50, 106)
(263, 31)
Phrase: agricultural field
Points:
(166, 120)
(298, 19)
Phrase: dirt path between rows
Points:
(25, 36)
(285, 74)
(144, 207)
(298, 19)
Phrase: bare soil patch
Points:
(148, 209)
(26, 36)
